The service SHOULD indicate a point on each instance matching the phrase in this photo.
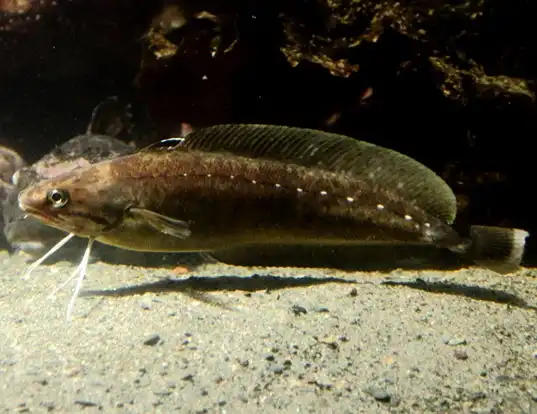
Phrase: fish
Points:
(25, 233)
(236, 185)
(10, 161)
(109, 119)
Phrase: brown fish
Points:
(111, 118)
(240, 185)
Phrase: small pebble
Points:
(332, 344)
(85, 403)
(145, 305)
(504, 378)
(460, 355)
(277, 369)
(533, 394)
(164, 393)
(298, 310)
(455, 341)
(479, 395)
(152, 340)
(48, 405)
(354, 293)
(180, 270)
(379, 394)
(21, 408)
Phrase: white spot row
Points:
(324, 193)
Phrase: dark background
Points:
(449, 83)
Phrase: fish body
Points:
(215, 190)
(10, 161)
(222, 200)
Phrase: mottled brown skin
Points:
(228, 201)
(10, 162)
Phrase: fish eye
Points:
(58, 198)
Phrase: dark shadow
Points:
(372, 258)
(218, 284)
(375, 258)
(196, 287)
(4, 244)
(456, 289)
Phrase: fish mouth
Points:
(66, 225)
(39, 214)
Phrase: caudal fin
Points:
(497, 248)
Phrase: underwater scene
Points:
(228, 206)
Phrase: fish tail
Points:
(497, 248)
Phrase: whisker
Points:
(53, 250)
(82, 267)
(73, 274)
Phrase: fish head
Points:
(31, 233)
(82, 202)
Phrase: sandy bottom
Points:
(232, 339)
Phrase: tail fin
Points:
(496, 248)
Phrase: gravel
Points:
(241, 339)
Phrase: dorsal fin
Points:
(378, 165)
(111, 117)
(167, 144)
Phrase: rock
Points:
(299, 310)
(460, 354)
(152, 340)
(454, 341)
(379, 394)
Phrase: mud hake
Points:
(240, 185)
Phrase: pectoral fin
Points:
(164, 224)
